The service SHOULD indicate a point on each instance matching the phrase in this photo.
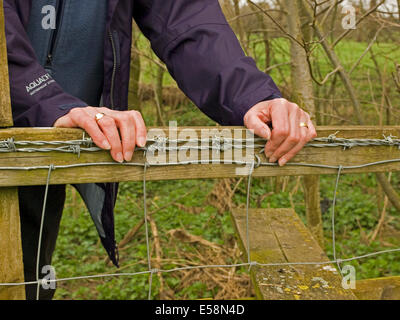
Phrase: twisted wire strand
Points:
(213, 266)
(51, 167)
(247, 211)
(147, 230)
(200, 162)
(333, 215)
(218, 143)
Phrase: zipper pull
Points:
(49, 59)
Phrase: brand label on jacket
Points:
(39, 84)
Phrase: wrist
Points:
(63, 113)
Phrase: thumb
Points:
(64, 122)
(260, 128)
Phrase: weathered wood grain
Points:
(378, 289)
(279, 236)
(328, 156)
(5, 102)
(11, 265)
(362, 132)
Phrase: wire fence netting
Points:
(216, 144)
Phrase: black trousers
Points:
(31, 204)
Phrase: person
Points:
(69, 67)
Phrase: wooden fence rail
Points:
(333, 156)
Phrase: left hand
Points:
(288, 136)
(117, 131)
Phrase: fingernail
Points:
(272, 160)
(282, 162)
(128, 155)
(106, 145)
(142, 141)
(119, 157)
(268, 154)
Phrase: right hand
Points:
(287, 137)
(117, 131)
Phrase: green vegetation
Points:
(79, 251)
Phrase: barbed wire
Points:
(216, 143)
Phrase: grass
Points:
(79, 251)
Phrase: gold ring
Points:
(99, 116)
(303, 125)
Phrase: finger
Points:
(126, 125)
(312, 132)
(294, 136)
(82, 119)
(254, 122)
(141, 131)
(281, 128)
(304, 139)
(108, 126)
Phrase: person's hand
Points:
(117, 131)
(288, 135)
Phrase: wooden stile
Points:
(387, 288)
(276, 236)
(265, 227)
(279, 236)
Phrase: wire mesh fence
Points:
(217, 144)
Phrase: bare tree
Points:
(302, 93)
(134, 99)
(398, 8)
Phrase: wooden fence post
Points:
(11, 265)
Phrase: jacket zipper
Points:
(50, 53)
(114, 68)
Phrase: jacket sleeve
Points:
(204, 56)
(37, 100)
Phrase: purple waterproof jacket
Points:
(193, 39)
